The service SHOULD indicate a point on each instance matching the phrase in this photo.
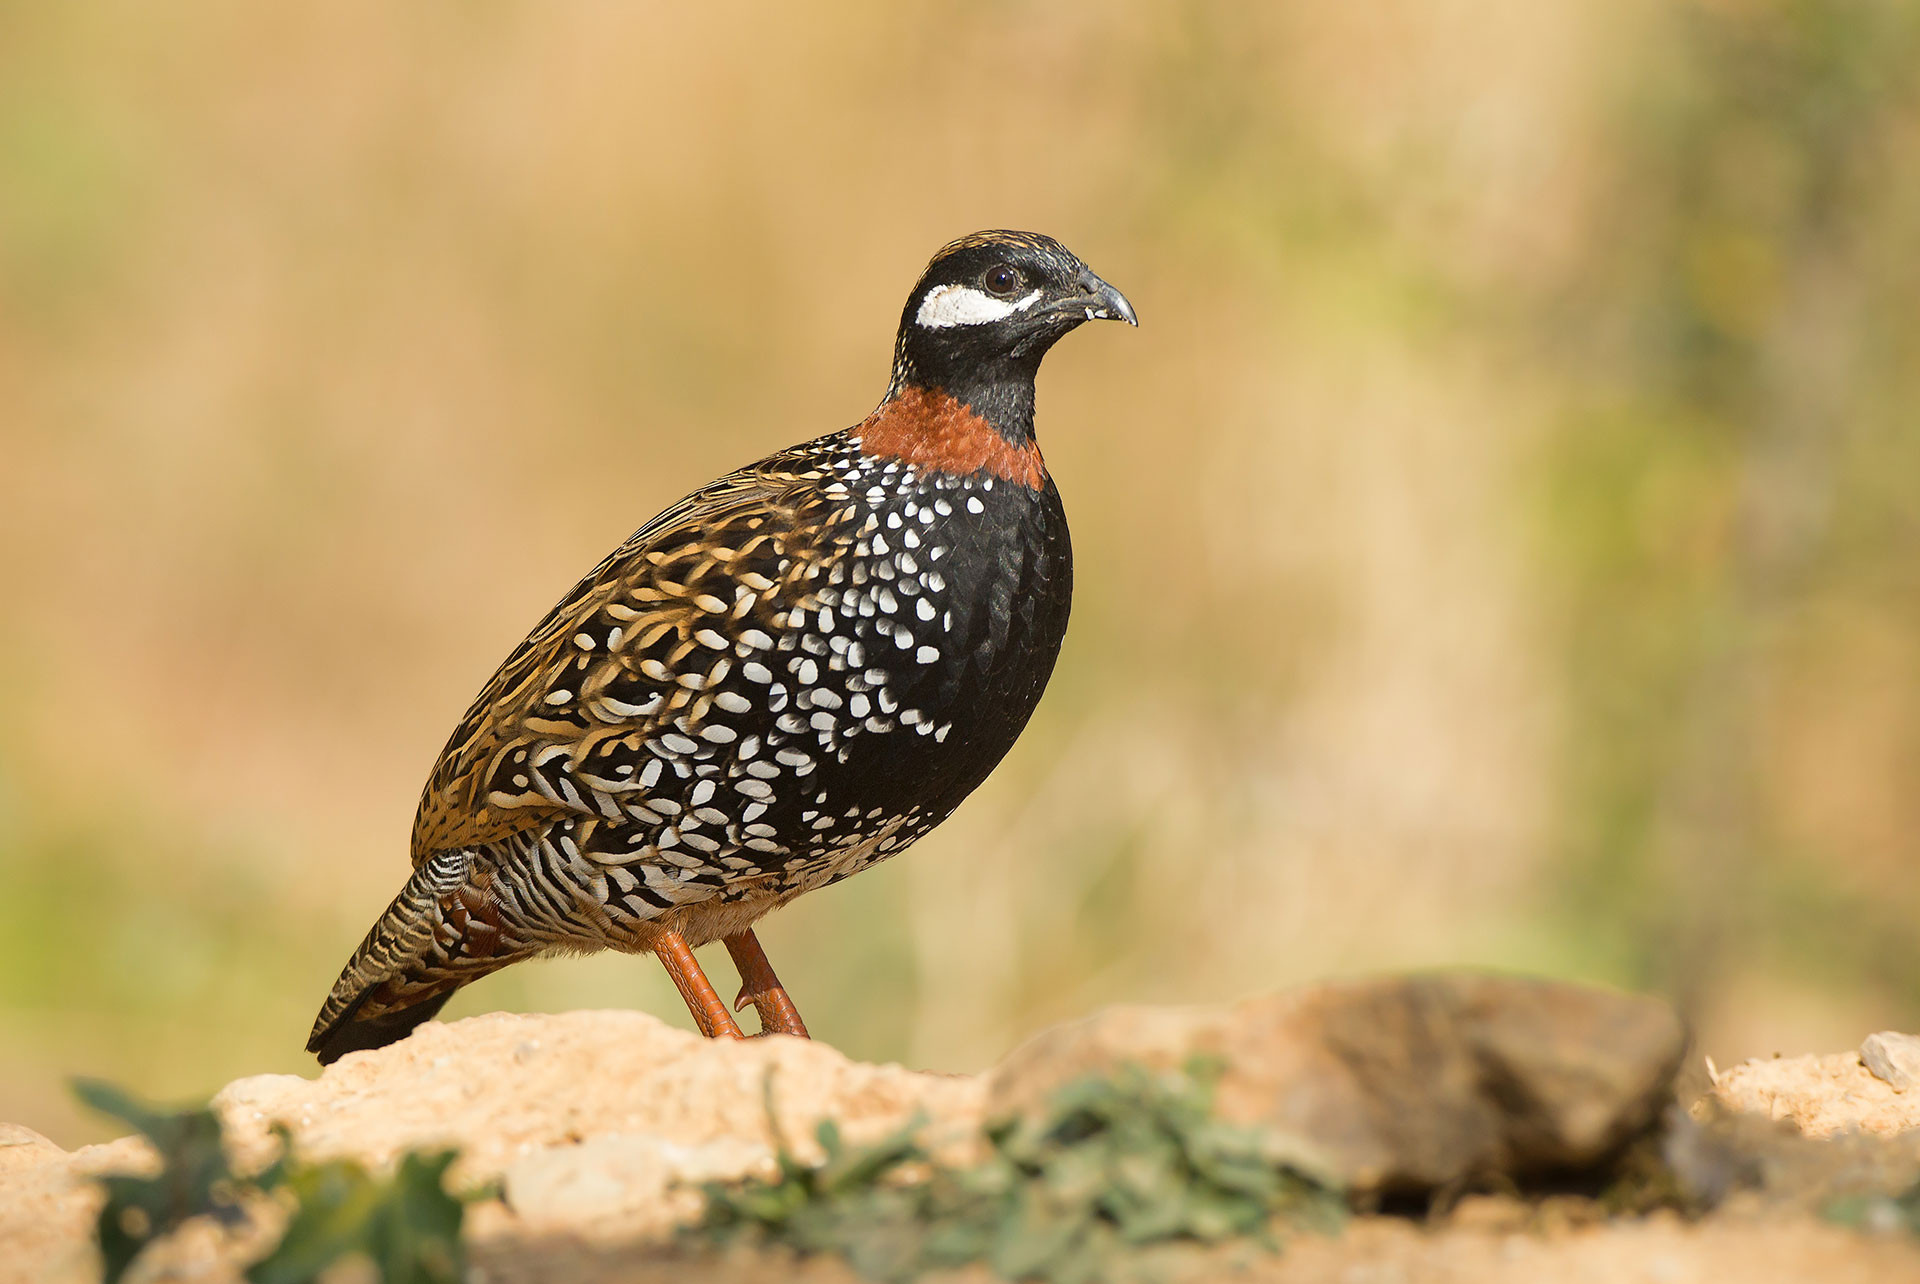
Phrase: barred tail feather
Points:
(435, 937)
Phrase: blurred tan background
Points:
(1500, 544)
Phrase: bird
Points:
(793, 673)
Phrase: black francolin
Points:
(787, 676)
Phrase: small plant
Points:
(194, 1180)
(1880, 1213)
(407, 1225)
(1116, 1166)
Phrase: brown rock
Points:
(1398, 1083)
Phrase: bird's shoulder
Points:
(633, 648)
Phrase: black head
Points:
(985, 312)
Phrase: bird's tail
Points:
(439, 934)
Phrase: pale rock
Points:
(1893, 1057)
(1819, 1095)
(629, 1185)
(22, 1147)
(504, 1086)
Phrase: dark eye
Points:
(1001, 281)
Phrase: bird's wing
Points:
(626, 655)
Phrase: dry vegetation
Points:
(1498, 545)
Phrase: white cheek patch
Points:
(951, 305)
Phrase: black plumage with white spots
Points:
(793, 673)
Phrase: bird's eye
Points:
(1001, 281)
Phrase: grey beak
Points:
(1102, 301)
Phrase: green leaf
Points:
(193, 1181)
(844, 1171)
(330, 1220)
(1878, 1212)
(409, 1226)
(1114, 1167)
(418, 1240)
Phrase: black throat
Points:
(996, 387)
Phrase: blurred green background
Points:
(1500, 544)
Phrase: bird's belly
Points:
(950, 675)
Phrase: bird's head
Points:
(987, 309)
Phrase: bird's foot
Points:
(778, 1015)
(760, 987)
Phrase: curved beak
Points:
(1095, 300)
(1101, 301)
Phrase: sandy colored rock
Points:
(1819, 1095)
(47, 1208)
(1397, 1083)
(22, 1147)
(1726, 1159)
(624, 1186)
(596, 1121)
(502, 1086)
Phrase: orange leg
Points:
(760, 987)
(708, 1008)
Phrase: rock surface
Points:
(502, 1087)
(47, 1206)
(591, 1119)
(595, 1122)
(1398, 1084)
(1893, 1057)
(1819, 1095)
